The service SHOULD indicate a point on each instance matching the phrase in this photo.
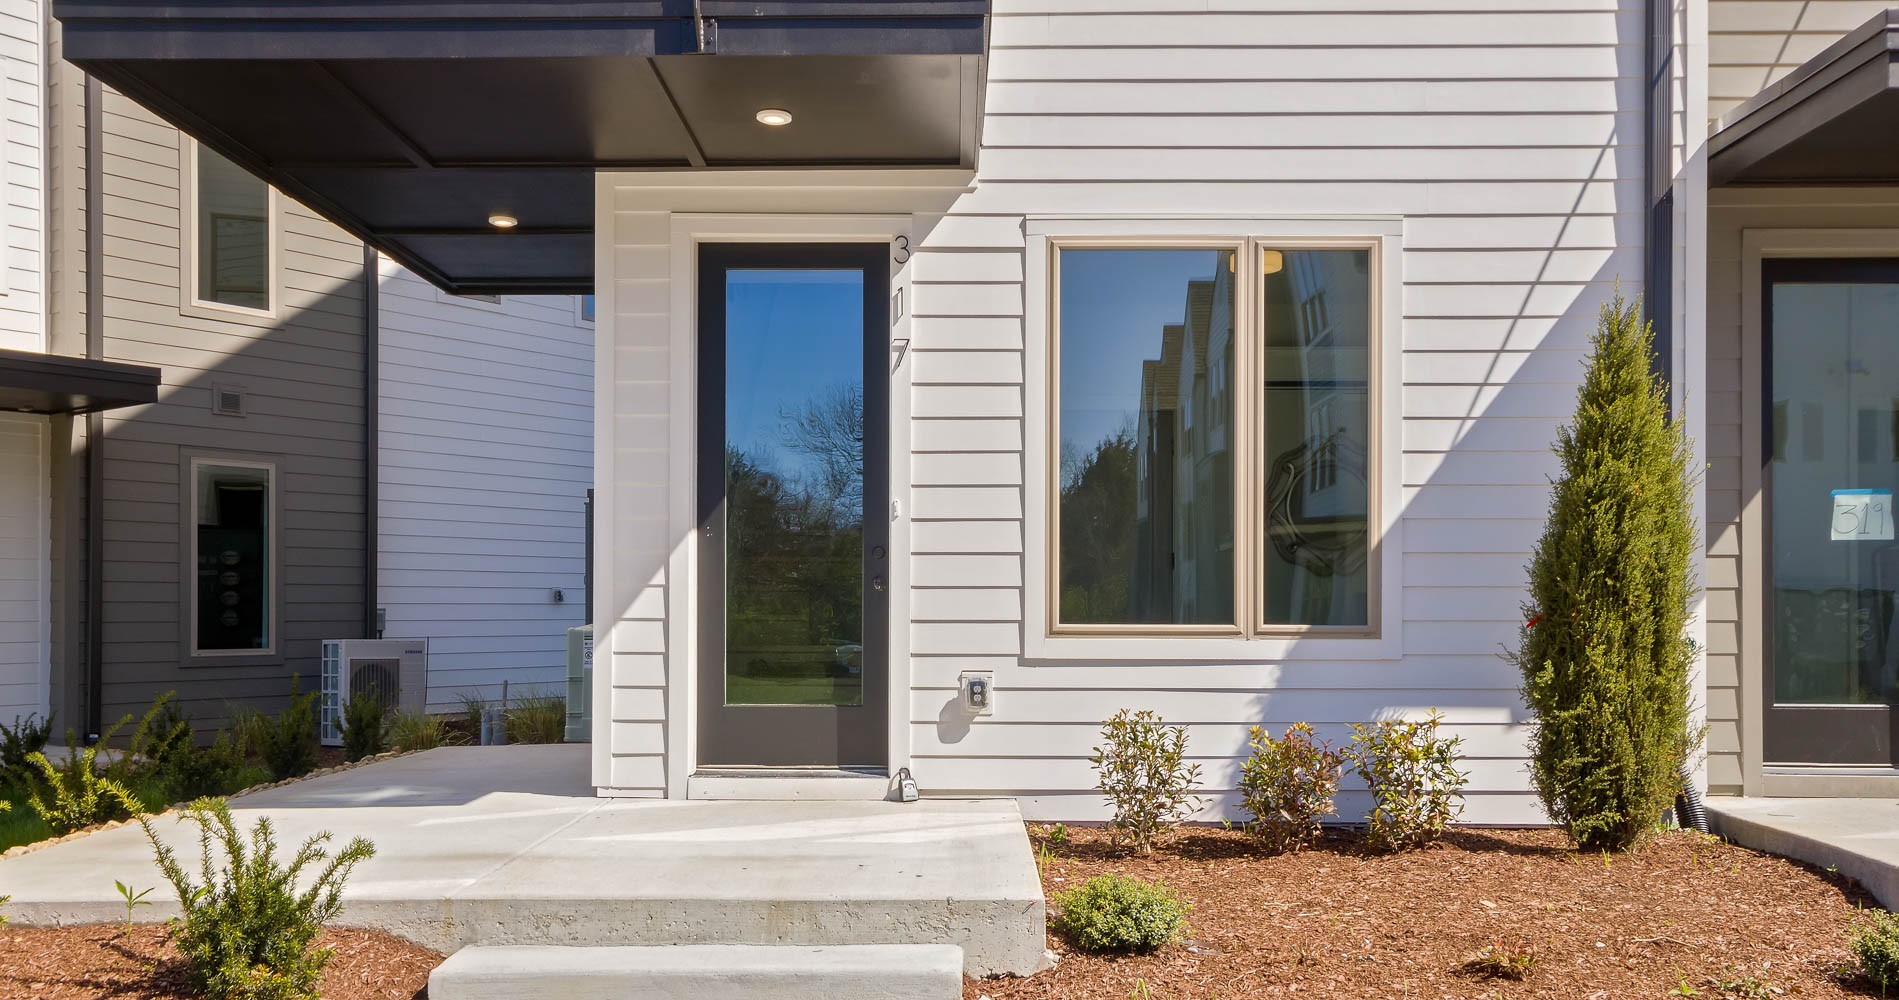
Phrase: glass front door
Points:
(793, 434)
(1831, 433)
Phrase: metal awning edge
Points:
(105, 385)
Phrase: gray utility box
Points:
(580, 684)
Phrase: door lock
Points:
(877, 584)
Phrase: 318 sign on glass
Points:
(1862, 515)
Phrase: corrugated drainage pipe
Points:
(1689, 812)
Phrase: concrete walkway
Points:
(1859, 836)
(509, 846)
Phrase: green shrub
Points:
(161, 737)
(288, 743)
(538, 719)
(1116, 913)
(1876, 946)
(1287, 785)
(77, 796)
(411, 731)
(247, 929)
(17, 742)
(365, 725)
(1141, 767)
(1412, 774)
(219, 769)
(1606, 655)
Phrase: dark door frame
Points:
(791, 735)
(1857, 735)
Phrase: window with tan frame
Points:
(1212, 415)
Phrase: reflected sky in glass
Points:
(791, 335)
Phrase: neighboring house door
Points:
(1830, 329)
(793, 426)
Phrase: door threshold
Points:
(781, 784)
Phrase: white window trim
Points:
(189, 303)
(274, 598)
(1040, 643)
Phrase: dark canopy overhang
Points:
(1835, 120)
(411, 122)
(51, 383)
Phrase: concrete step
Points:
(691, 972)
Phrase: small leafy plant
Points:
(159, 741)
(1504, 959)
(288, 743)
(1417, 790)
(247, 930)
(1114, 913)
(1057, 835)
(1142, 769)
(1876, 948)
(218, 769)
(133, 899)
(411, 731)
(77, 796)
(365, 725)
(18, 741)
(1287, 785)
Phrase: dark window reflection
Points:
(1317, 424)
(794, 468)
(233, 553)
(1835, 363)
(1146, 436)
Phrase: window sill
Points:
(1165, 649)
(200, 309)
(234, 659)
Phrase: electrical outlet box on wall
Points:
(977, 689)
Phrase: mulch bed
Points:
(93, 962)
(1682, 915)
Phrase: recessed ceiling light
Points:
(501, 220)
(773, 117)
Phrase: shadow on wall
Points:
(252, 457)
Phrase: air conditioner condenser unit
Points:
(397, 670)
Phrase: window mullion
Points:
(1247, 336)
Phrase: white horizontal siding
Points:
(484, 460)
(1753, 43)
(1507, 136)
(25, 551)
(22, 187)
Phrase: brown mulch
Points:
(97, 961)
(1682, 915)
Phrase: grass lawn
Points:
(1683, 915)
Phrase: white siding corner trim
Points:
(1038, 643)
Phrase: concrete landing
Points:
(702, 972)
(1860, 836)
(509, 846)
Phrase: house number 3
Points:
(902, 254)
